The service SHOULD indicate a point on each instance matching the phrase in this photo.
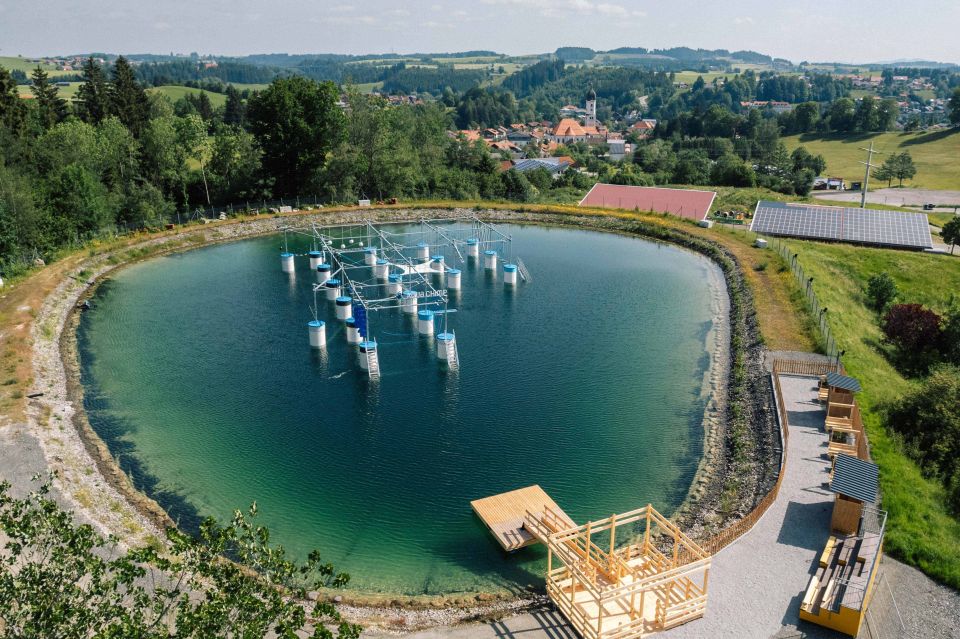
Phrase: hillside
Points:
(934, 154)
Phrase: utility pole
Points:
(866, 174)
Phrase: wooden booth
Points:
(842, 585)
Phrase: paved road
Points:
(895, 197)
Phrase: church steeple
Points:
(591, 118)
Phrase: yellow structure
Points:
(618, 578)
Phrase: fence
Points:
(731, 533)
(806, 285)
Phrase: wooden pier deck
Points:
(506, 515)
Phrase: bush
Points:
(929, 422)
(914, 331)
(881, 291)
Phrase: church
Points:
(569, 130)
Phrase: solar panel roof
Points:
(862, 226)
(855, 478)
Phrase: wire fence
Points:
(818, 310)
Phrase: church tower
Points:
(591, 119)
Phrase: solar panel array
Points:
(861, 226)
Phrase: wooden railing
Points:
(802, 367)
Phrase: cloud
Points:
(743, 20)
(566, 8)
(346, 20)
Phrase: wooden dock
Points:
(506, 515)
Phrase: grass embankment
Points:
(933, 153)
(921, 530)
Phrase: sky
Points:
(847, 31)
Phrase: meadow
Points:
(934, 154)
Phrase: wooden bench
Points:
(827, 551)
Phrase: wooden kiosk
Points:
(843, 420)
(841, 588)
(619, 578)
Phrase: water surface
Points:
(587, 381)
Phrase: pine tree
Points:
(94, 94)
(128, 99)
(235, 111)
(51, 108)
(204, 108)
(13, 110)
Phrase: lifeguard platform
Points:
(621, 577)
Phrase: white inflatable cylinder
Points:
(394, 283)
(286, 262)
(323, 273)
(442, 340)
(367, 346)
(353, 333)
(490, 260)
(315, 258)
(380, 269)
(333, 288)
(344, 308)
(436, 263)
(425, 322)
(370, 255)
(510, 274)
(473, 247)
(318, 333)
(408, 301)
(453, 279)
(423, 251)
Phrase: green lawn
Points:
(935, 155)
(177, 92)
(920, 529)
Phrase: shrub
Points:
(915, 333)
(881, 291)
(929, 422)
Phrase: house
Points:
(618, 148)
(644, 127)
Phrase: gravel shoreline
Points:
(110, 500)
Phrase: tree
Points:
(93, 96)
(806, 116)
(297, 123)
(903, 167)
(841, 115)
(915, 333)
(884, 172)
(954, 106)
(865, 115)
(61, 579)
(730, 170)
(950, 232)
(78, 204)
(234, 113)
(128, 100)
(13, 110)
(51, 108)
(881, 291)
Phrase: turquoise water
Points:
(587, 381)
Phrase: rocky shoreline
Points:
(736, 392)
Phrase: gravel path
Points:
(896, 197)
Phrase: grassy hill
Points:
(935, 154)
(23, 64)
(176, 92)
